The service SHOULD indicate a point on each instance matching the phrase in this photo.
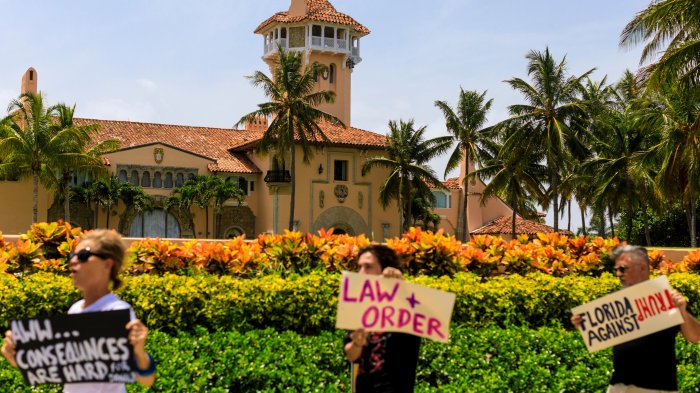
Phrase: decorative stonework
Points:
(341, 192)
(360, 199)
(235, 217)
(321, 197)
(158, 154)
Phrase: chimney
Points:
(259, 124)
(298, 8)
(30, 82)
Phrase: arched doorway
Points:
(342, 220)
(155, 223)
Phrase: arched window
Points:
(155, 223)
(441, 200)
(190, 176)
(179, 180)
(168, 180)
(122, 176)
(134, 177)
(157, 182)
(146, 179)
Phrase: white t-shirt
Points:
(108, 302)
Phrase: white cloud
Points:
(147, 84)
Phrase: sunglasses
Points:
(84, 254)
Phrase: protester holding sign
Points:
(387, 361)
(648, 363)
(95, 263)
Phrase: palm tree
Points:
(407, 161)
(467, 128)
(676, 25)
(678, 118)
(515, 177)
(85, 160)
(107, 193)
(136, 198)
(552, 100)
(293, 108)
(618, 143)
(33, 146)
(204, 192)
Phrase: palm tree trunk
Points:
(583, 219)
(465, 225)
(66, 197)
(35, 204)
(630, 210)
(512, 226)
(109, 210)
(645, 221)
(555, 198)
(292, 194)
(693, 240)
(568, 224)
(612, 224)
(206, 222)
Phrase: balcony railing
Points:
(272, 46)
(278, 177)
(323, 43)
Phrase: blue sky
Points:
(184, 62)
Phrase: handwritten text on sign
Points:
(628, 314)
(76, 348)
(389, 305)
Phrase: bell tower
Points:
(324, 35)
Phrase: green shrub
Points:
(307, 304)
(474, 361)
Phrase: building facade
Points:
(331, 192)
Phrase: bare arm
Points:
(138, 333)
(353, 349)
(690, 327)
(8, 349)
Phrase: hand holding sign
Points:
(630, 313)
(378, 304)
(88, 347)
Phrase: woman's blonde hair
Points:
(108, 243)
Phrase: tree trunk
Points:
(292, 193)
(512, 226)
(693, 240)
(612, 224)
(555, 198)
(583, 219)
(645, 221)
(630, 211)
(66, 197)
(109, 211)
(206, 222)
(568, 224)
(35, 203)
(465, 225)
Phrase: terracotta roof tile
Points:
(452, 183)
(213, 143)
(318, 11)
(337, 136)
(503, 226)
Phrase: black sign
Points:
(76, 348)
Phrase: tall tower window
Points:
(331, 72)
(340, 170)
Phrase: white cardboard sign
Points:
(627, 314)
(389, 305)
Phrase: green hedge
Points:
(307, 304)
(476, 360)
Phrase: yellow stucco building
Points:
(331, 192)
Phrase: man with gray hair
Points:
(646, 364)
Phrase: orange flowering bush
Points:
(427, 253)
(46, 246)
